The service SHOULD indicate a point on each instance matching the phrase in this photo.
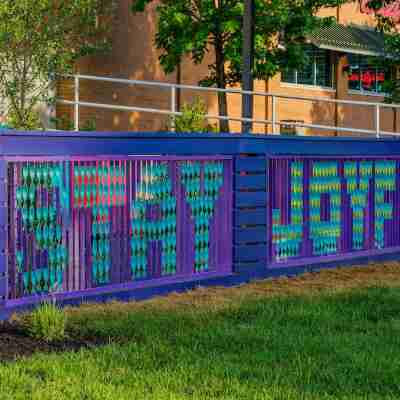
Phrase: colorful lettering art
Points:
(333, 207)
(287, 238)
(324, 232)
(155, 188)
(36, 198)
(385, 175)
(358, 176)
(202, 187)
(69, 211)
(99, 187)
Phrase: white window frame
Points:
(361, 91)
(314, 85)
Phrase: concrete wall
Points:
(134, 56)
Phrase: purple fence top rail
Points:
(166, 143)
(83, 223)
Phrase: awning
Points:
(349, 39)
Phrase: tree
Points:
(386, 11)
(247, 62)
(40, 39)
(196, 27)
(387, 15)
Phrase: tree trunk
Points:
(394, 119)
(179, 82)
(247, 62)
(220, 75)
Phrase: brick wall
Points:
(134, 56)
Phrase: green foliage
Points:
(32, 120)
(194, 27)
(386, 13)
(63, 123)
(193, 118)
(40, 39)
(391, 86)
(48, 322)
(387, 23)
(89, 125)
(187, 27)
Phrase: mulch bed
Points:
(15, 343)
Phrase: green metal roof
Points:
(349, 39)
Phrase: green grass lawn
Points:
(307, 342)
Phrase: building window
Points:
(364, 75)
(317, 71)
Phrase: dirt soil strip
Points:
(16, 343)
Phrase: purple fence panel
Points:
(326, 207)
(4, 221)
(83, 223)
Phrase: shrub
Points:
(89, 125)
(193, 118)
(47, 322)
(63, 123)
(31, 120)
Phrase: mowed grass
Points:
(331, 335)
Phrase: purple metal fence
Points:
(82, 219)
(77, 223)
(328, 206)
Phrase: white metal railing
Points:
(274, 122)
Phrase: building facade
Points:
(342, 66)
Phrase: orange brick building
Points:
(340, 68)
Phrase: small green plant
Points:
(90, 125)
(47, 322)
(63, 123)
(30, 121)
(192, 119)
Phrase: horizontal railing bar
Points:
(210, 116)
(328, 127)
(389, 133)
(155, 111)
(231, 90)
(120, 108)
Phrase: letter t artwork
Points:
(202, 184)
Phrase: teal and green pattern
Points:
(40, 219)
(385, 181)
(287, 238)
(357, 176)
(101, 258)
(154, 189)
(99, 187)
(202, 201)
(325, 233)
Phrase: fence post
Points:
(274, 115)
(377, 120)
(3, 233)
(173, 107)
(76, 100)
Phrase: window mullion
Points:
(315, 71)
